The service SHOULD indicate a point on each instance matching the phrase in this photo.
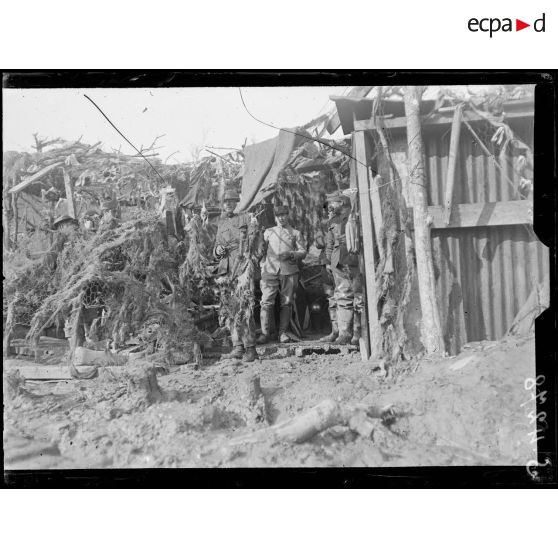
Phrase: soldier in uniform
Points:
(234, 233)
(283, 247)
(346, 273)
(328, 280)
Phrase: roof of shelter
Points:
(351, 108)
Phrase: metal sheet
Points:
(484, 274)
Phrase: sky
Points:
(187, 117)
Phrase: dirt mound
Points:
(465, 410)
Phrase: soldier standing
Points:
(346, 273)
(283, 248)
(328, 281)
(234, 233)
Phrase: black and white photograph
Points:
(301, 276)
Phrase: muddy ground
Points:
(464, 410)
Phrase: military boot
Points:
(356, 330)
(330, 338)
(345, 325)
(272, 326)
(284, 321)
(236, 353)
(265, 322)
(250, 355)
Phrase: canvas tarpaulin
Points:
(262, 164)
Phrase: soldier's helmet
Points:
(65, 220)
(230, 194)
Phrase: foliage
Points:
(132, 271)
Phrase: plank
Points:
(452, 159)
(376, 202)
(518, 212)
(359, 91)
(31, 371)
(434, 120)
(367, 227)
(30, 179)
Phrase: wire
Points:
(307, 137)
(114, 126)
(329, 101)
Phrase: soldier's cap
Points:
(281, 210)
(230, 195)
(65, 219)
(91, 214)
(336, 197)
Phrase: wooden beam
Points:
(364, 341)
(431, 328)
(367, 227)
(489, 214)
(31, 371)
(434, 120)
(5, 220)
(30, 179)
(452, 160)
(16, 218)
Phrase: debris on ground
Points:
(327, 410)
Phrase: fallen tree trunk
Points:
(326, 414)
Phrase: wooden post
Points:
(70, 203)
(367, 226)
(364, 341)
(16, 219)
(431, 329)
(376, 201)
(5, 221)
(452, 159)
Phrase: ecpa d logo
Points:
(494, 24)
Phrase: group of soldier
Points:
(278, 252)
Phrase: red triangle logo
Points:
(519, 25)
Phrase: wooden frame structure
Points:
(449, 216)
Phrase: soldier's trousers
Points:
(241, 324)
(243, 333)
(328, 282)
(282, 284)
(348, 288)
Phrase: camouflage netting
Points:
(313, 171)
(209, 177)
(133, 272)
(27, 282)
